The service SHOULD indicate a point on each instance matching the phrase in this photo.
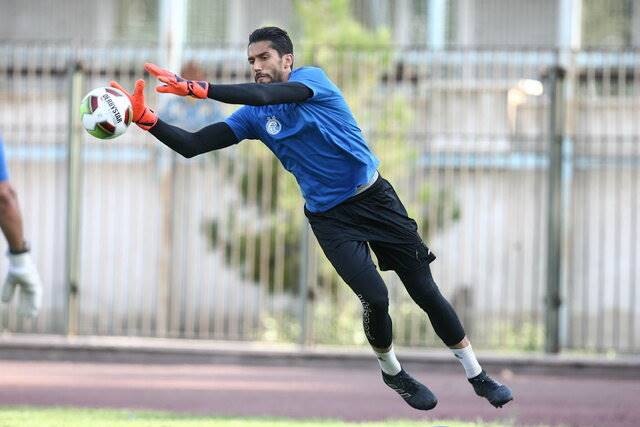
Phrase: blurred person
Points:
(187, 112)
(22, 272)
(304, 120)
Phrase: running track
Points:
(355, 394)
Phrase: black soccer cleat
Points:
(497, 394)
(414, 393)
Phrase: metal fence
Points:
(133, 240)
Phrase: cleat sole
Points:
(502, 403)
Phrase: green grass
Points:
(72, 417)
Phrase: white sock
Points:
(388, 362)
(467, 357)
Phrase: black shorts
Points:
(377, 217)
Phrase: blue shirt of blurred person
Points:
(190, 114)
(4, 170)
(317, 140)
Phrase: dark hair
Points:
(278, 37)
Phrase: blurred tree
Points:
(356, 59)
(607, 23)
(137, 20)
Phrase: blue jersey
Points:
(317, 140)
(4, 171)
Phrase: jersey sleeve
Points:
(241, 124)
(4, 171)
(316, 80)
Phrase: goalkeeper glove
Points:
(22, 273)
(175, 84)
(143, 116)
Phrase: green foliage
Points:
(357, 59)
(280, 221)
(447, 210)
(335, 41)
(238, 247)
(331, 23)
(336, 323)
(607, 23)
(286, 330)
(521, 336)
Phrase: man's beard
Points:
(272, 78)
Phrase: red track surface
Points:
(306, 392)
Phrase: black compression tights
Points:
(424, 291)
(372, 292)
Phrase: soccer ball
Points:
(106, 112)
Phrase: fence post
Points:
(303, 281)
(171, 37)
(552, 300)
(74, 197)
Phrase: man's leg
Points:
(424, 291)
(353, 263)
(394, 237)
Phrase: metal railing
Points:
(133, 240)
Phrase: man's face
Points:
(267, 64)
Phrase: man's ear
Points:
(288, 60)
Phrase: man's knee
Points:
(420, 284)
(374, 303)
(373, 292)
(376, 320)
(429, 286)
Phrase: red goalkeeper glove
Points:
(143, 116)
(176, 85)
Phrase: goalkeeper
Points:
(302, 117)
(22, 274)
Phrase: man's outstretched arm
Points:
(244, 93)
(189, 144)
(260, 93)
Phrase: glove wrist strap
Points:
(148, 119)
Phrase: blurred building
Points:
(478, 23)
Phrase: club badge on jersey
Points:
(273, 126)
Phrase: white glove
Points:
(23, 273)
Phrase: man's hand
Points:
(23, 274)
(143, 116)
(176, 85)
